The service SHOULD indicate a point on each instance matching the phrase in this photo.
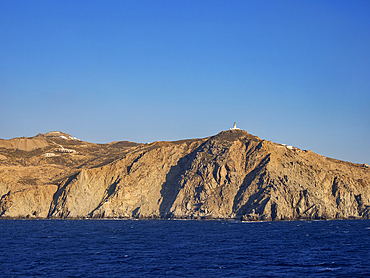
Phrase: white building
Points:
(50, 154)
(234, 127)
(63, 150)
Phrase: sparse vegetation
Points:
(232, 174)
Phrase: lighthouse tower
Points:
(234, 127)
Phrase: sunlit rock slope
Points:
(230, 175)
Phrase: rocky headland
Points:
(232, 175)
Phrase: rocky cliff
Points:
(230, 175)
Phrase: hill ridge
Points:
(230, 175)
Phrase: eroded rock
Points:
(230, 175)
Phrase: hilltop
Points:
(229, 175)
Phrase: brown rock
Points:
(230, 175)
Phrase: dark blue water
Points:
(157, 248)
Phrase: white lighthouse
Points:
(234, 127)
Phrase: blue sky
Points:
(293, 72)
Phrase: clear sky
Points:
(293, 72)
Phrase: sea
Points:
(184, 248)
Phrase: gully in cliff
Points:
(231, 175)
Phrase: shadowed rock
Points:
(230, 175)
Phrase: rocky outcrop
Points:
(32, 202)
(230, 175)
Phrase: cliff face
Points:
(230, 175)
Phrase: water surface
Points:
(157, 248)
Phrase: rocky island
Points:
(232, 175)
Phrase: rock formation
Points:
(230, 175)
